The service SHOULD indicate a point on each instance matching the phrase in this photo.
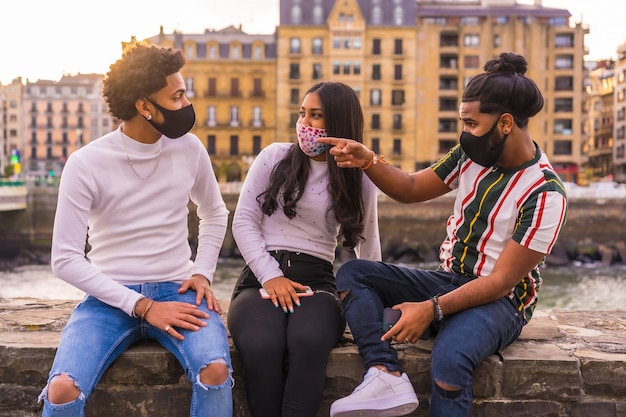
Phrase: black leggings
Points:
(285, 354)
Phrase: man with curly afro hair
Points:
(128, 194)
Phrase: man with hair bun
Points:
(509, 209)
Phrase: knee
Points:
(215, 373)
(351, 272)
(62, 389)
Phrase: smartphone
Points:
(301, 293)
(390, 317)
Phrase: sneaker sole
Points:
(370, 410)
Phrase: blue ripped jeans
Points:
(463, 339)
(96, 334)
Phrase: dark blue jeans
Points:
(463, 339)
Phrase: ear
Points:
(507, 122)
(144, 108)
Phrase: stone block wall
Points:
(565, 364)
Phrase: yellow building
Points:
(407, 60)
(231, 81)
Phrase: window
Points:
(294, 46)
(318, 15)
(234, 145)
(564, 40)
(375, 97)
(564, 62)
(212, 87)
(234, 116)
(211, 116)
(336, 42)
(562, 147)
(448, 83)
(256, 144)
(375, 121)
(346, 67)
(296, 15)
(258, 52)
(565, 83)
(496, 41)
(397, 121)
(376, 145)
(447, 125)
(449, 39)
(398, 16)
(318, 48)
(357, 43)
(397, 97)
(447, 104)
(377, 15)
(563, 105)
(397, 46)
(294, 71)
(234, 87)
(356, 68)
(317, 71)
(445, 145)
(294, 96)
(471, 61)
(257, 119)
(397, 146)
(397, 72)
(212, 52)
(336, 68)
(469, 20)
(257, 87)
(376, 72)
(471, 40)
(376, 47)
(448, 61)
(189, 86)
(563, 126)
(235, 52)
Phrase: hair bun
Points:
(507, 62)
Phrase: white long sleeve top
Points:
(137, 228)
(313, 230)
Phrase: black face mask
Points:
(177, 122)
(477, 147)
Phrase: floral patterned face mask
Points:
(307, 139)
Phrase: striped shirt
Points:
(527, 204)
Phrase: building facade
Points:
(60, 117)
(11, 130)
(619, 116)
(231, 81)
(600, 121)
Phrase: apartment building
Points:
(60, 117)
(600, 88)
(11, 126)
(231, 81)
(619, 116)
(410, 60)
(369, 45)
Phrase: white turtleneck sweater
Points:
(137, 227)
(312, 231)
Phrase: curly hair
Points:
(343, 117)
(140, 72)
(503, 88)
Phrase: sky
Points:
(45, 39)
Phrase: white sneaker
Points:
(380, 394)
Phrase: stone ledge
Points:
(564, 364)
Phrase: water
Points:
(576, 287)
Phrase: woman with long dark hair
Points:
(294, 209)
